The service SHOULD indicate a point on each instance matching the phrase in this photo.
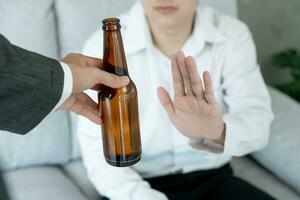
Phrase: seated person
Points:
(187, 141)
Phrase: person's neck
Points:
(169, 40)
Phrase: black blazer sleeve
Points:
(3, 192)
(30, 87)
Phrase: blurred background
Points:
(46, 163)
(276, 28)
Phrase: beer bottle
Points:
(118, 107)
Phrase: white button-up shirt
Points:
(221, 45)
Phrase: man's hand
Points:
(195, 111)
(87, 73)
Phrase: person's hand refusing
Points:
(87, 73)
(194, 110)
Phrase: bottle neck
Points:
(114, 59)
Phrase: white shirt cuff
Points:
(68, 85)
(207, 145)
(234, 136)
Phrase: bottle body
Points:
(119, 108)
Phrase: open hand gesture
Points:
(194, 111)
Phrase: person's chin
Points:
(169, 22)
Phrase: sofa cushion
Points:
(78, 174)
(248, 170)
(48, 143)
(30, 24)
(75, 149)
(282, 154)
(41, 183)
(77, 19)
(244, 168)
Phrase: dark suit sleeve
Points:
(30, 87)
(3, 192)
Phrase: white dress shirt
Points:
(68, 85)
(221, 45)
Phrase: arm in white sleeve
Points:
(247, 99)
(113, 182)
(68, 85)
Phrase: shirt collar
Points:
(205, 32)
(138, 36)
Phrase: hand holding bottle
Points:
(86, 73)
(194, 111)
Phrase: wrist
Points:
(221, 138)
(67, 88)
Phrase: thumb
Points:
(110, 80)
(165, 100)
(86, 77)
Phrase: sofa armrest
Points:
(282, 157)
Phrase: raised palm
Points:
(194, 111)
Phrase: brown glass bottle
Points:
(118, 107)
